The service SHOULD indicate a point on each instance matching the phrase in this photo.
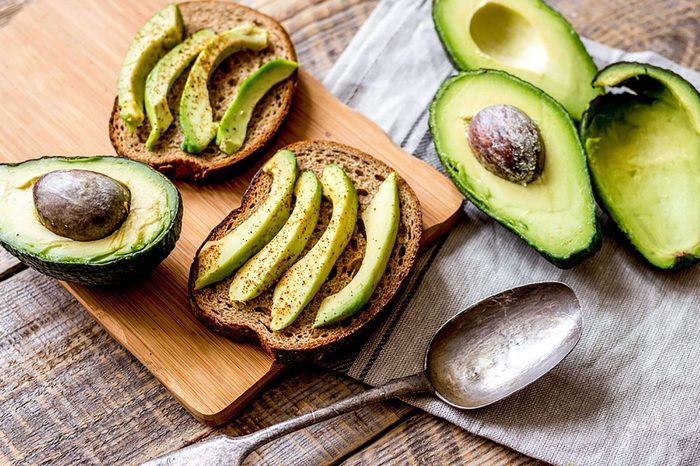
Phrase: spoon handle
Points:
(412, 384)
(233, 450)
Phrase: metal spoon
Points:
(483, 354)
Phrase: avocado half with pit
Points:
(643, 148)
(525, 38)
(95, 221)
(552, 208)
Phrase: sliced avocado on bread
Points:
(526, 38)
(267, 114)
(96, 220)
(514, 152)
(221, 257)
(196, 115)
(643, 148)
(160, 33)
(162, 77)
(251, 319)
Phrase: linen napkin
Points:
(630, 391)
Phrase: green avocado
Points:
(643, 150)
(196, 115)
(221, 257)
(555, 213)
(162, 77)
(525, 38)
(381, 220)
(263, 269)
(138, 242)
(233, 126)
(301, 282)
(161, 33)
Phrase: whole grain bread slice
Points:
(300, 342)
(166, 156)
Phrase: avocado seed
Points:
(80, 204)
(507, 143)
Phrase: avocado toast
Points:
(166, 154)
(251, 320)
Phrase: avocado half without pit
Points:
(96, 221)
(643, 148)
(514, 152)
(525, 38)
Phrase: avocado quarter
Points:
(196, 115)
(526, 38)
(142, 240)
(643, 149)
(162, 77)
(161, 32)
(555, 213)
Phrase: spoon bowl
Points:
(503, 343)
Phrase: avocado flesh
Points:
(233, 126)
(145, 237)
(220, 258)
(161, 33)
(555, 213)
(196, 115)
(526, 38)
(644, 157)
(301, 282)
(263, 269)
(162, 77)
(381, 220)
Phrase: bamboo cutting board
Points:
(59, 66)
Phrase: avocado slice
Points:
(301, 282)
(263, 269)
(643, 151)
(555, 213)
(381, 221)
(196, 116)
(160, 33)
(233, 126)
(526, 38)
(221, 257)
(162, 77)
(136, 246)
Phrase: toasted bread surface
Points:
(268, 115)
(299, 341)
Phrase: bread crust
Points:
(269, 114)
(299, 342)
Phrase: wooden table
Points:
(70, 395)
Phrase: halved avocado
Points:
(643, 151)
(525, 38)
(161, 32)
(138, 244)
(555, 213)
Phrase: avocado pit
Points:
(507, 143)
(81, 204)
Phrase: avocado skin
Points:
(587, 120)
(126, 269)
(561, 262)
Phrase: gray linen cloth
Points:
(630, 391)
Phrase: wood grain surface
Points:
(71, 395)
(211, 376)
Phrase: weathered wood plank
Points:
(9, 265)
(71, 395)
(425, 439)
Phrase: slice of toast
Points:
(300, 342)
(268, 116)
